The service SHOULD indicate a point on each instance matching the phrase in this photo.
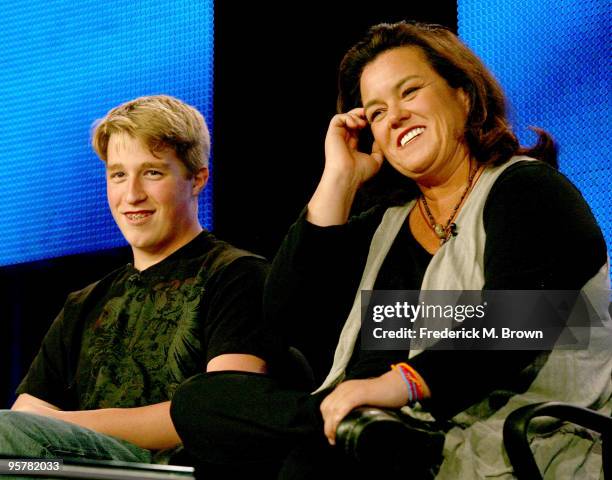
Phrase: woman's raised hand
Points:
(341, 154)
(346, 168)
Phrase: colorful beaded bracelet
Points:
(411, 379)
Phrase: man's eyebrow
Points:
(395, 87)
(160, 164)
(118, 166)
(113, 167)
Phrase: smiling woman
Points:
(480, 218)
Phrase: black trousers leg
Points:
(242, 419)
(246, 425)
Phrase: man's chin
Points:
(140, 242)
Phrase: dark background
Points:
(275, 91)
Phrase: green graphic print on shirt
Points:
(142, 345)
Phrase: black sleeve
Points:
(541, 235)
(312, 283)
(234, 322)
(49, 375)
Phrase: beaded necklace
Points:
(444, 233)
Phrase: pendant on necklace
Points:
(440, 231)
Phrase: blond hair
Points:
(159, 122)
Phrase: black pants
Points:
(241, 425)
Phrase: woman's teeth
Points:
(411, 134)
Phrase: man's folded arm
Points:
(147, 427)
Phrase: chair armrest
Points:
(374, 435)
(517, 423)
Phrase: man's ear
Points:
(200, 178)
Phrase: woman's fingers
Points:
(352, 121)
(377, 154)
(338, 404)
(332, 416)
(342, 153)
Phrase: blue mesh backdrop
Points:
(553, 59)
(64, 64)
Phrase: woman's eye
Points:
(116, 175)
(409, 91)
(374, 115)
(153, 173)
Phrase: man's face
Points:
(151, 198)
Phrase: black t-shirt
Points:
(132, 338)
(540, 234)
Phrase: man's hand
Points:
(29, 403)
(388, 390)
(38, 409)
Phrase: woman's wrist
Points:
(332, 200)
(416, 388)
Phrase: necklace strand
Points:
(450, 229)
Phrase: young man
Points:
(102, 382)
